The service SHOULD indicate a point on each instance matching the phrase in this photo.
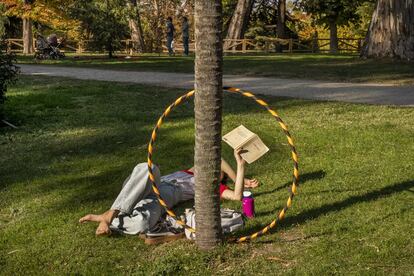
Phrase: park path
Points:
(371, 93)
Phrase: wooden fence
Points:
(259, 45)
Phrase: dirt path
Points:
(370, 93)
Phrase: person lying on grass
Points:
(136, 209)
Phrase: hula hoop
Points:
(295, 182)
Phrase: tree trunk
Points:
(333, 30)
(27, 36)
(134, 22)
(239, 21)
(281, 23)
(391, 32)
(208, 109)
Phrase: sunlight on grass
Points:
(77, 142)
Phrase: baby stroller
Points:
(48, 48)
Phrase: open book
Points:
(241, 137)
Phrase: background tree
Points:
(103, 22)
(208, 112)
(50, 16)
(27, 28)
(332, 13)
(134, 22)
(281, 22)
(391, 33)
(239, 20)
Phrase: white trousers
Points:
(138, 204)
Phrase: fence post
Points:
(315, 44)
(244, 44)
(133, 47)
(9, 46)
(266, 46)
(80, 50)
(126, 46)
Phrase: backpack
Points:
(231, 221)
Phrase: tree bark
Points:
(134, 22)
(281, 23)
(27, 36)
(391, 32)
(239, 21)
(333, 31)
(208, 110)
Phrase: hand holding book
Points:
(252, 146)
(237, 155)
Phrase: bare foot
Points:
(90, 217)
(104, 220)
(103, 229)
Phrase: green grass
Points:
(344, 68)
(78, 140)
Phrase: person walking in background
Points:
(186, 35)
(170, 35)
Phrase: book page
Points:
(255, 149)
(238, 136)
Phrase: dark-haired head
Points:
(169, 18)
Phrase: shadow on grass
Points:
(314, 213)
(303, 178)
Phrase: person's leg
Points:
(185, 41)
(135, 188)
(147, 212)
(144, 216)
(169, 46)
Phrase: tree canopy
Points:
(342, 12)
(107, 22)
(3, 20)
(102, 22)
(50, 13)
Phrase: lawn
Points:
(78, 140)
(344, 68)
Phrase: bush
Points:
(8, 75)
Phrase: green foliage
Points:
(228, 8)
(341, 12)
(263, 13)
(365, 12)
(103, 22)
(3, 20)
(8, 74)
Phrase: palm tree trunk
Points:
(391, 33)
(208, 109)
